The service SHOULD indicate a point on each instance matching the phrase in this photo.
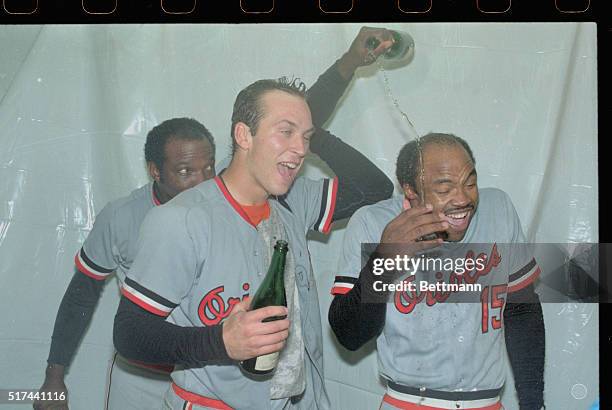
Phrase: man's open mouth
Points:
(459, 219)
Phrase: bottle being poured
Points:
(403, 50)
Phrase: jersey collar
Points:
(156, 200)
(232, 201)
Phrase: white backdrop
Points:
(76, 103)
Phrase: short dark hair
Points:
(247, 107)
(174, 128)
(409, 161)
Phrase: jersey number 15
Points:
(493, 307)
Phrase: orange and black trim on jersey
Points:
(193, 398)
(154, 197)
(343, 285)
(87, 267)
(146, 299)
(524, 276)
(328, 205)
(228, 196)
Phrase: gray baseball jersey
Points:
(111, 247)
(447, 346)
(111, 244)
(199, 255)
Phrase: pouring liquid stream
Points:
(417, 139)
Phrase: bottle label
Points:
(266, 362)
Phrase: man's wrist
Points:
(55, 371)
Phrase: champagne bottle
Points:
(271, 292)
(403, 44)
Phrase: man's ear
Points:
(411, 195)
(154, 172)
(242, 136)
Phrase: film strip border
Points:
(261, 11)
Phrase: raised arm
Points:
(360, 182)
(357, 312)
(324, 95)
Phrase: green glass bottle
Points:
(403, 44)
(271, 292)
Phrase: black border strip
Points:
(89, 263)
(151, 295)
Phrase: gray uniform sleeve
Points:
(314, 202)
(98, 256)
(166, 262)
(350, 260)
(353, 321)
(524, 269)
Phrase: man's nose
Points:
(461, 198)
(299, 145)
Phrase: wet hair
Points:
(175, 128)
(248, 108)
(409, 161)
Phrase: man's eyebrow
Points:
(449, 181)
(294, 125)
(183, 163)
(288, 122)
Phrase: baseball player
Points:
(199, 257)
(433, 353)
(180, 153)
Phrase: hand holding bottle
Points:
(402, 46)
(246, 335)
(361, 52)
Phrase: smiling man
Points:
(180, 153)
(448, 184)
(441, 354)
(201, 254)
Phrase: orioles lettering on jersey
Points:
(491, 297)
(213, 308)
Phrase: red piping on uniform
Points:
(143, 304)
(200, 400)
(525, 283)
(156, 201)
(405, 405)
(228, 196)
(83, 269)
(340, 290)
(332, 207)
